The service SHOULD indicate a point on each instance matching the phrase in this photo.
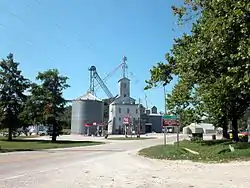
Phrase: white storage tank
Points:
(86, 109)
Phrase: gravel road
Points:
(117, 165)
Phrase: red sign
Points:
(94, 123)
(88, 124)
(126, 120)
(170, 122)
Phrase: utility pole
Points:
(178, 129)
(165, 101)
(139, 123)
(178, 123)
(146, 101)
(165, 105)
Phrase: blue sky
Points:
(72, 35)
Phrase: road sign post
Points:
(167, 121)
(139, 122)
(165, 137)
(178, 131)
(126, 122)
(178, 136)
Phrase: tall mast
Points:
(124, 66)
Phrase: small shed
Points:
(195, 128)
(208, 128)
(205, 128)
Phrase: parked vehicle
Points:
(42, 133)
(242, 134)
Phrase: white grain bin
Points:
(86, 109)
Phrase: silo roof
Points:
(88, 96)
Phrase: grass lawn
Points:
(129, 138)
(33, 145)
(209, 151)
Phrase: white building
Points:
(205, 128)
(122, 106)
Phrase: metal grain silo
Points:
(86, 110)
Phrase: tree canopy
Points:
(52, 86)
(212, 62)
(23, 103)
(12, 93)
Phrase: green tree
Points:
(32, 113)
(183, 101)
(215, 106)
(65, 117)
(181, 96)
(52, 86)
(215, 56)
(12, 94)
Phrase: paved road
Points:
(36, 169)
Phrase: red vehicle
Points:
(244, 132)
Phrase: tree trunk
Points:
(54, 131)
(235, 129)
(10, 133)
(54, 135)
(225, 129)
(37, 128)
(225, 132)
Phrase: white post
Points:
(178, 136)
(139, 123)
(178, 130)
(165, 136)
(88, 131)
(131, 133)
(125, 126)
(102, 130)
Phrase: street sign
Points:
(126, 120)
(88, 124)
(169, 120)
(173, 117)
